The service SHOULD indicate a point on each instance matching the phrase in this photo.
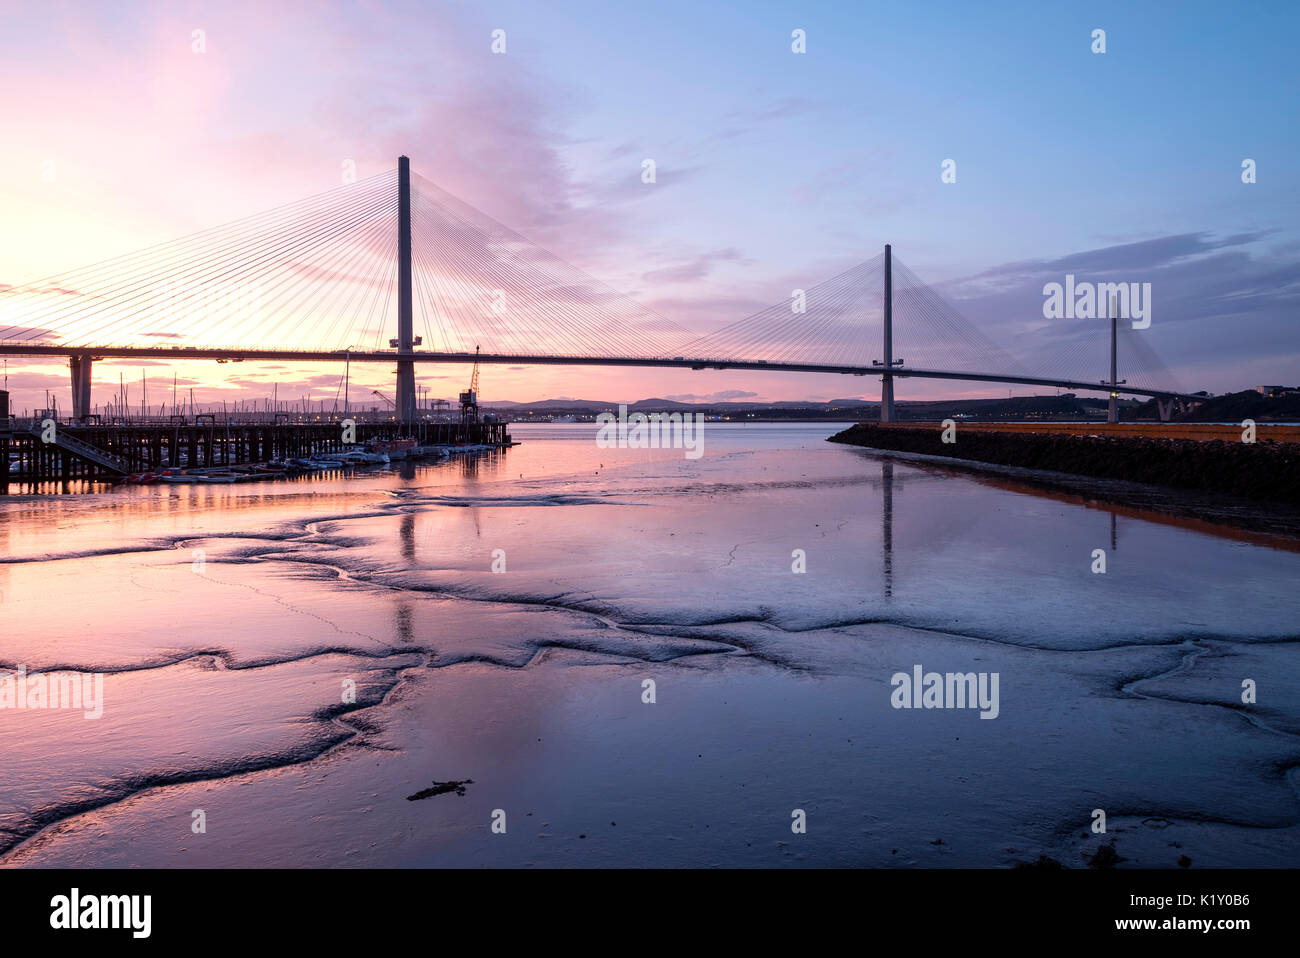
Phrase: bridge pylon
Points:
(405, 337)
(79, 366)
(887, 380)
(1112, 412)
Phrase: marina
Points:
(42, 452)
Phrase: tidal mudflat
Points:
(612, 659)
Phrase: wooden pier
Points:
(106, 453)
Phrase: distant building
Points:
(1273, 392)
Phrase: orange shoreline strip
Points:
(1202, 432)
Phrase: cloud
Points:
(1216, 301)
(692, 269)
(1101, 264)
(778, 109)
(752, 118)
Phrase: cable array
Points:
(841, 322)
(321, 274)
(929, 332)
(1079, 349)
(313, 271)
(482, 284)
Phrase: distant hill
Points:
(1234, 407)
(654, 403)
(591, 404)
(1066, 407)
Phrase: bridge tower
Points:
(80, 368)
(1112, 414)
(887, 380)
(405, 338)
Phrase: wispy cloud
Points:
(697, 267)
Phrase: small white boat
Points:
(361, 456)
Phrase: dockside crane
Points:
(469, 398)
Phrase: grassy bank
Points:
(1263, 471)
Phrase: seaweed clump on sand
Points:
(1105, 857)
(440, 788)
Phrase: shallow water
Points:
(227, 622)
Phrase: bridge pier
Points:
(80, 368)
(1112, 413)
(405, 332)
(887, 381)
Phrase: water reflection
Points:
(887, 487)
(887, 525)
(402, 624)
(406, 532)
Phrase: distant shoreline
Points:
(1253, 486)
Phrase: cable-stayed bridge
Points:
(394, 269)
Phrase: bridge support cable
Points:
(830, 322)
(170, 293)
(495, 289)
(319, 277)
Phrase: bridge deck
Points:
(680, 362)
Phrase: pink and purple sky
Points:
(775, 170)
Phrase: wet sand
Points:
(229, 622)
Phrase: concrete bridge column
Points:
(405, 331)
(1112, 411)
(887, 381)
(80, 368)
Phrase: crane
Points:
(469, 398)
(376, 392)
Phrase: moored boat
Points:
(362, 456)
(393, 448)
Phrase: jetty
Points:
(43, 450)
